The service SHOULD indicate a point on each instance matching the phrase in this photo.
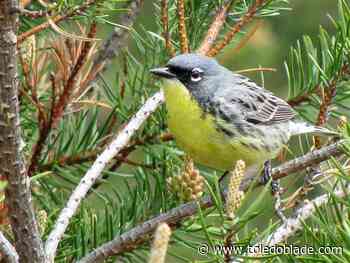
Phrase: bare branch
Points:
(8, 252)
(96, 169)
(139, 234)
(17, 194)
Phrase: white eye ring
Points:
(196, 74)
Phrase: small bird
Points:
(218, 117)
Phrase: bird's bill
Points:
(163, 72)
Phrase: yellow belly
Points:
(197, 135)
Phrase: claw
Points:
(276, 189)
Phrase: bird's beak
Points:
(163, 72)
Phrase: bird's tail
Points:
(297, 128)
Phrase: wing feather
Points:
(252, 103)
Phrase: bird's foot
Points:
(266, 176)
(276, 189)
(221, 186)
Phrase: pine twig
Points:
(182, 26)
(165, 23)
(302, 98)
(95, 171)
(322, 117)
(56, 19)
(215, 28)
(236, 28)
(329, 94)
(255, 70)
(139, 234)
(316, 90)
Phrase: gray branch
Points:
(139, 234)
(18, 196)
(8, 252)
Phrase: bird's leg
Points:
(221, 179)
(223, 176)
(276, 189)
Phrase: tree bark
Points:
(18, 196)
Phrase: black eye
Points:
(196, 74)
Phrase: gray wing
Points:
(252, 103)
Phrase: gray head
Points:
(193, 70)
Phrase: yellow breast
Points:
(196, 133)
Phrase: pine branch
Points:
(56, 19)
(95, 171)
(17, 194)
(139, 234)
(8, 252)
(182, 26)
(215, 27)
(248, 17)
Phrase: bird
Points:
(219, 117)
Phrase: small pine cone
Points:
(188, 186)
(28, 49)
(235, 196)
(160, 244)
(342, 123)
(42, 221)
